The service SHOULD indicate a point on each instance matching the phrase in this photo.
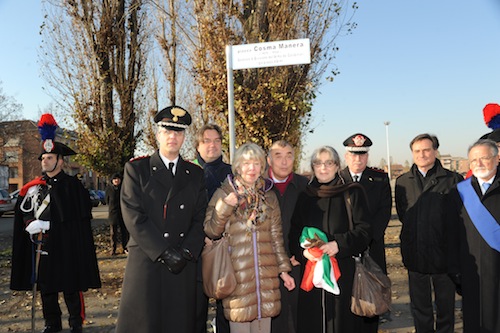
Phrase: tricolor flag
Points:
(323, 273)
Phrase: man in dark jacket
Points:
(475, 240)
(209, 157)
(287, 186)
(421, 198)
(163, 204)
(55, 210)
(378, 190)
(115, 217)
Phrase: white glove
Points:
(38, 226)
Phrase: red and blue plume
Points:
(491, 114)
(47, 127)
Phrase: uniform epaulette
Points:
(139, 158)
(377, 169)
(34, 182)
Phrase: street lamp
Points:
(386, 123)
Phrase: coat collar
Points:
(439, 171)
(160, 174)
(494, 185)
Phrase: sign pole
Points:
(230, 101)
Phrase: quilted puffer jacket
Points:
(258, 256)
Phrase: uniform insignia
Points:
(377, 169)
(359, 140)
(177, 112)
(139, 158)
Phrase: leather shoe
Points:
(52, 329)
(76, 329)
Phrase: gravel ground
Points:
(102, 305)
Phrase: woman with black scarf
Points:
(323, 205)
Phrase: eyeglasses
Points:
(327, 164)
(214, 141)
(483, 160)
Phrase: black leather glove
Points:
(457, 280)
(186, 254)
(173, 259)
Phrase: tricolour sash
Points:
(482, 219)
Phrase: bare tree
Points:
(270, 103)
(94, 58)
(10, 109)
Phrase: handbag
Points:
(217, 269)
(371, 288)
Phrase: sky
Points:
(425, 66)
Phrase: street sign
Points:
(271, 54)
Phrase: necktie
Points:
(356, 178)
(171, 168)
(485, 187)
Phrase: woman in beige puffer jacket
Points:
(255, 239)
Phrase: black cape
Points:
(71, 263)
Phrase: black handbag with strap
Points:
(371, 289)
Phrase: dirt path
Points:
(102, 305)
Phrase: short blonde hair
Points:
(249, 151)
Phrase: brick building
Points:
(20, 147)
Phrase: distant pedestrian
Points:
(115, 217)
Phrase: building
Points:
(20, 147)
(457, 164)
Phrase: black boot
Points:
(52, 328)
(76, 329)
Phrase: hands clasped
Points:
(175, 259)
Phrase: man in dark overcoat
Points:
(55, 212)
(475, 240)
(115, 217)
(378, 190)
(421, 202)
(376, 184)
(163, 204)
(209, 157)
(287, 186)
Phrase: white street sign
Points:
(280, 53)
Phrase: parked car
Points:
(94, 198)
(102, 196)
(7, 203)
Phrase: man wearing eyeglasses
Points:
(475, 239)
(209, 157)
(163, 201)
(421, 196)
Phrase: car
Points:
(94, 198)
(102, 196)
(7, 202)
